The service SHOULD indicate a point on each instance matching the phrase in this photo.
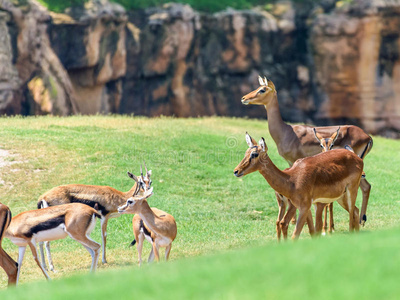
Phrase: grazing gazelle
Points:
(6, 262)
(297, 141)
(319, 179)
(152, 224)
(107, 198)
(53, 223)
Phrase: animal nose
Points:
(235, 172)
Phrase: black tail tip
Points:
(133, 243)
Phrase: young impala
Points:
(152, 224)
(6, 262)
(107, 198)
(297, 141)
(319, 179)
(53, 223)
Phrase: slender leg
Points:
(21, 253)
(32, 245)
(167, 251)
(140, 240)
(310, 223)
(41, 249)
(151, 256)
(303, 214)
(286, 219)
(365, 187)
(281, 213)
(331, 225)
(9, 266)
(325, 227)
(318, 217)
(49, 259)
(156, 253)
(104, 221)
(89, 244)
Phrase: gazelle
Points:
(53, 223)
(297, 141)
(6, 262)
(326, 145)
(319, 179)
(107, 198)
(152, 224)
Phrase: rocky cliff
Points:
(331, 63)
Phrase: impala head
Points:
(133, 204)
(262, 95)
(326, 143)
(253, 157)
(144, 182)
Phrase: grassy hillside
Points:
(192, 162)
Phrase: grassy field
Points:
(192, 162)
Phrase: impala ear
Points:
(132, 176)
(263, 145)
(148, 173)
(265, 81)
(260, 80)
(250, 141)
(317, 135)
(335, 135)
(271, 85)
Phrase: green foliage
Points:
(192, 162)
(60, 5)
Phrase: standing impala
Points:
(53, 223)
(297, 141)
(6, 262)
(107, 198)
(152, 224)
(326, 145)
(319, 179)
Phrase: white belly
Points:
(18, 242)
(326, 200)
(56, 233)
(163, 242)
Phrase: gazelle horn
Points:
(145, 166)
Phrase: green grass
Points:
(192, 162)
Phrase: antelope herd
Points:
(314, 177)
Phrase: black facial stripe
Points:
(46, 225)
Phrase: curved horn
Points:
(141, 171)
(145, 166)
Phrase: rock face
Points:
(356, 58)
(331, 64)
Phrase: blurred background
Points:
(332, 62)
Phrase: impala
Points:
(319, 179)
(152, 224)
(326, 145)
(107, 198)
(53, 223)
(297, 141)
(6, 262)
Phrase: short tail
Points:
(42, 204)
(133, 243)
(367, 148)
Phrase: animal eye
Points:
(261, 91)
(130, 202)
(321, 146)
(254, 155)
